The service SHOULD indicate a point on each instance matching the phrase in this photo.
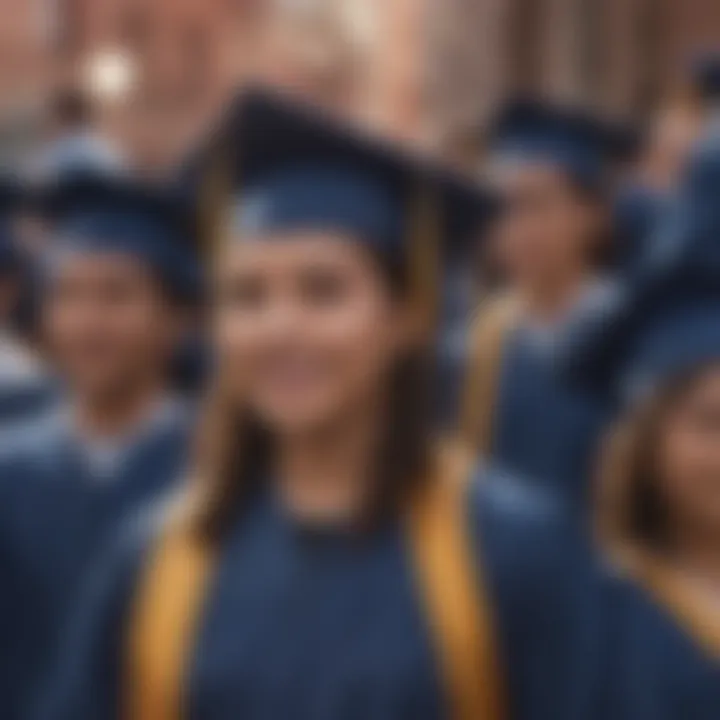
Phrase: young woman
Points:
(658, 352)
(662, 516)
(324, 571)
(552, 167)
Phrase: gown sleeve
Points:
(20, 599)
(544, 589)
(84, 682)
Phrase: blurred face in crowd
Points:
(675, 130)
(307, 329)
(689, 456)
(107, 323)
(548, 228)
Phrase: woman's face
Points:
(306, 328)
(690, 456)
(546, 227)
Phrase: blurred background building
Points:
(424, 70)
(621, 55)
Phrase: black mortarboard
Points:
(576, 140)
(99, 213)
(665, 321)
(289, 166)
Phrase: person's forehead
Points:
(97, 265)
(295, 248)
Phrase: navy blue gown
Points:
(319, 625)
(653, 667)
(55, 516)
(542, 429)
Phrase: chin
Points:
(298, 419)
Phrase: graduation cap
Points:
(573, 139)
(665, 320)
(280, 165)
(637, 342)
(97, 213)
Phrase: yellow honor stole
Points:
(698, 616)
(495, 320)
(172, 591)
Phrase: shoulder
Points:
(502, 500)
(27, 446)
(176, 422)
(112, 581)
(525, 535)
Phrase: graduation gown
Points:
(21, 400)
(542, 429)
(55, 516)
(320, 625)
(655, 667)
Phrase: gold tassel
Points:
(481, 389)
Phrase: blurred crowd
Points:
(549, 320)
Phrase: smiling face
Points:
(107, 323)
(307, 328)
(547, 228)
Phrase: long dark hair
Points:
(632, 511)
(235, 450)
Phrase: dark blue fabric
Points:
(92, 213)
(542, 429)
(582, 145)
(54, 519)
(682, 339)
(637, 211)
(119, 232)
(580, 162)
(325, 197)
(322, 626)
(650, 668)
(315, 172)
(21, 400)
(663, 320)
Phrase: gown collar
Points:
(695, 612)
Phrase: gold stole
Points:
(495, 319)
(163, 627)
(175, 583)
(697, 617)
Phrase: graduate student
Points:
(657, 353)
(657, 502)
(329, 564)
(553, 168)
(115, 288)
(663, 516)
